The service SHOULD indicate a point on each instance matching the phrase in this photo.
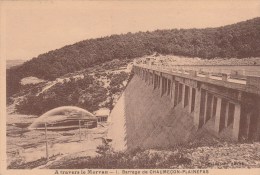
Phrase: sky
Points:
(31, 28)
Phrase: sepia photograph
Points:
(130, 87)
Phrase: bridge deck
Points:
(233, 79)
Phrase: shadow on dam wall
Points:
(144, 118)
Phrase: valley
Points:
(174, 98)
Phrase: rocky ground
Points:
(26, 148)
(226, 156)
(220, 156)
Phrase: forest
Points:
(87, 92)
(238, 40)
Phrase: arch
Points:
(65, 117)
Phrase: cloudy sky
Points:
(30, 28)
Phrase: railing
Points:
(231, 75)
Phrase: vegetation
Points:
(135, 159)
(190, 156)
(20, 164)
(88, 92)
(238, 40)
(85, 93)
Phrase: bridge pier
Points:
(206, 108)
(204, 113)
(218, 115)
(176, 93)
(190, 100)
(173, 89)
(158, 82)
(230, 104)
(257, 136)
(154, 80)
(151, 78)
(169, 87)
(161, 84)
(236, 124)
(179, 96)
(146, 76)
(197, 116)
(248, 125)
(164, 85)
(183, 95)
(209, 107)
(227, 115)
(250, 122)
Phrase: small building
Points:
(102, 114)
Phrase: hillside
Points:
(157, 135)
(91, 89)
(238, 40)
(217, 155)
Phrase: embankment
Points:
(142, 118)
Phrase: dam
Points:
(163, 106)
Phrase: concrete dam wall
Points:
(161, 110)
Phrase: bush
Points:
(20, 164)
(134, 159)
(118, 79)
(86, 93)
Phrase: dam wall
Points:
(162, 108)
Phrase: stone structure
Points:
(102, 114)
(229, 103)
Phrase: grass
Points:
(187, 156)
(19, 164)
(134, 159)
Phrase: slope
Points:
(239, 40)
(142, 118)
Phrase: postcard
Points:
(130, 87)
